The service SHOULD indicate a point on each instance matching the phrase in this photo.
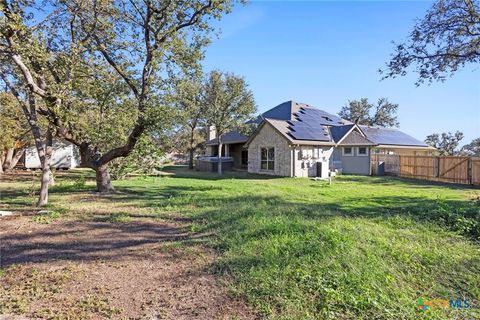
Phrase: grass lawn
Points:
(362, 248)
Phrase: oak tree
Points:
(229, 105)
(445, 40)
(142, 42)
(382, 114)
(445, 143)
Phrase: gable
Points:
(355, 138)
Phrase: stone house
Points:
(297, 140)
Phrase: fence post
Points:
(470, 171)
(415, 167)
(399, 165)
(438, 167)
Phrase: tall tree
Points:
(230, 104)
(13, 132)
(445, 40)
(446, 143)
(383, 114)
(143, 42)
(189, 101)
(27, 103)
(472, 149)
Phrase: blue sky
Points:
(326, 53)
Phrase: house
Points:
(65, 156)
(297, 140)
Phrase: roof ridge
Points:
(379, 127)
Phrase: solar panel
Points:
(309, 133)
(390, 136)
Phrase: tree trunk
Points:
(104, 183)
(51, 182)
(1, 161)
(219, 156)
(8, 159)
(46, 172)
(190, 159)
(18, 154)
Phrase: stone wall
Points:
(269, 137)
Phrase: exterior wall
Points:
(65, 156)
(353, 164)
(268, 137)
(308, 167)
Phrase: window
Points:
(267, 161)
(347, 151)
(316, 153)
(362, 151)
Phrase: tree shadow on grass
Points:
(90, 241)
(411, 183)
(215, 215)
(185, 172)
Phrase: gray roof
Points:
(338, 132)
(390, 136)
(303, 124)
(229, 138)
(285, 129)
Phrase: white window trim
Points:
(362, 154)
(347, 154)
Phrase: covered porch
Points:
(232, 152)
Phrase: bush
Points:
(465, 220)
(144, 159)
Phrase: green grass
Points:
(363, 248)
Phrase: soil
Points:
(141, 269)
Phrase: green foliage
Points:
(120, 217)
(446, 144)
(47, 216)
(102, 68)
(472, 149)
(441, 43)
(146, 158)
(230, 104)
(362, 248)
(188, 100)
(13, 125)
(384, 113)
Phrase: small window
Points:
(362, 151)
(267, 160)
(316, 153)
(347, 151)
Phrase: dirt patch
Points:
(99, 270)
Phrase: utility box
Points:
(322, 169)
(381, 168)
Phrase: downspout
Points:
(293, 163)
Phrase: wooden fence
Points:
(464, 170)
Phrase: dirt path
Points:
(99, 270)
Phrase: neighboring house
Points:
(297, 140)
(65, 156)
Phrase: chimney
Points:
(211, 133)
